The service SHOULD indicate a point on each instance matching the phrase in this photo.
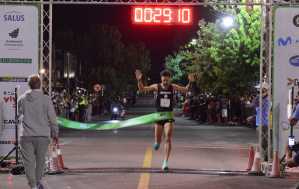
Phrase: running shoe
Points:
(165, 165)
(156, 146)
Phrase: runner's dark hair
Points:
(165, 73)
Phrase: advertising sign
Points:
(7, 94)
(18, 59)
(18, 41)
(286, 70)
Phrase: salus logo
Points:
(14, 33)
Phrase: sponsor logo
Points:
(14, 16)
(165, 92)
(12, 93)
(294, 61)
(288, 41)
(285, 41)
(9, 98)
(10, 122)
(14, 33)
(13, 42)
(296, 20)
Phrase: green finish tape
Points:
(116, 124)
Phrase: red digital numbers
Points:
(162, 15)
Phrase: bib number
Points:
(165, 102)
(291, 141)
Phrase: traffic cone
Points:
(275, 166)
(256, 168)
(59, 156)
(250, 158)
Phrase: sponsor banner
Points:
(286, 69)
(18, 40)
(19, 44)
(7, 95)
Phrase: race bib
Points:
(165, 102)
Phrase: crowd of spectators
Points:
(221, 110)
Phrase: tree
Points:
(227, 59)
(177, 63)
(105, 58)
(136, 57)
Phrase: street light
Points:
(227, 22)
(42, 71)
(193, 42)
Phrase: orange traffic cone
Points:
(250, 158)
(275, 166)
(256, 168)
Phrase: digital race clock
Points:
(162, 15)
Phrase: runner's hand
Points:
(138, 75)
(293, 121)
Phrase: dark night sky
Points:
(160, 40)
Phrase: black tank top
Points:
(164, 100)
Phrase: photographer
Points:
(293, 161)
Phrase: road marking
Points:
(147, 163)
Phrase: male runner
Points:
(164, 103)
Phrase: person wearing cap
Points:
(38, 118)
(164, 103)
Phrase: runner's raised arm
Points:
(141, 87)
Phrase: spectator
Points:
(193, 95)
(293, 161)
(186, 108)
(224, 113)
(211, 110)
(263, 121)
(218, 109)
(39, 122)
(235, 110)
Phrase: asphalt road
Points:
(204, 157)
